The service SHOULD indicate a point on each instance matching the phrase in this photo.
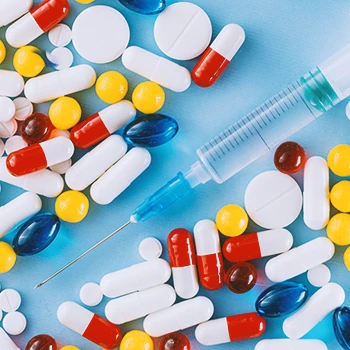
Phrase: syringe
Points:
(255, 134)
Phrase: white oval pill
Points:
(60, 35)
(10, 300)
(62, 168)
(14, 323)
(2, 148)
(14, 143)
(319, 275)
(24, 108)
(7, 109)
(61, 58)
(90, 294)
(150, 248)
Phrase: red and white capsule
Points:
(257, 245)
(39, 156)
(218, 55)
(209, 256)
(182, 257)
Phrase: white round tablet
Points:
(14, 143)
(319, 275)
(273, 200)
(2, 148)
(150, 248)
(60, 35)
(62, 168)
(61, 58)
(24, 108)
(90, 294)
(7, 109)
(183, 31)
(10, 300)
(57, 133)
(100, 34)
(8, 129)
(1, 314)
(14, 323)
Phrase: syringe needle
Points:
(82, 255)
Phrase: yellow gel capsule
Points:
(70, 347)
(136, 340)
(340, 196)
(111, 87)
(232, 220)
(148, 97)
(347, 258)
(64, 113)
(28, 62)
(7, 257)
(2, 51)
(338, 229)
(72, 206)
(339, 160)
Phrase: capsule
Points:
(11, 83)
(299, 260)
(38, 21)
(180, 316)
(230, 329)
(39, 156)
(289, 344)
(140, 304)
(183, 263)
(209, 257)
(102, 124)
(91, 326)
(257, 245)
(10, 10)
(135, 278)
(218, 55)
(6, 342)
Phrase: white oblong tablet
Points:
(60, 35)
(14, 323)
(2, 148)
(24, 108)
(289, 344)
(14, 143)
(62, 168)
(90, 294)
(10, 300)
(319, 275)
(7, 109)
(273, 200)
(11, 83)
(8, 129)
(183, 31)
(150, 248)
(100, 34)
(61, 58)
(6, 342)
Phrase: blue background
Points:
(284, 40)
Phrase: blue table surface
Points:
(284, 40)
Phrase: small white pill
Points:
(1, 314)
(60, 35)
(14, 143)
(2, 148)
(150, 248)
(347, 111)
(62, 168)
(8, 129)
(24, 108)
(61, 58)
(319, 275)
(7, 109)
(58, 133)
(90, 294)
(10, 300)
(14, 323)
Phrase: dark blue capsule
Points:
(281, 299)
(151, 130)
(36, 234)
(146, 7)
(341, 326)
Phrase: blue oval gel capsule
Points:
(36, 234)
(146, 7)
(281, 299)
(341, 326)
(151, 130)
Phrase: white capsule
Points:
(50, 86)
(300, 259)
(181, 316)
(11, 83)
(24, 108)
(6, 342)
(135, 278)
(18, 210)
(120, 176)
(14, 144)
(62, 168)
(93, 164)
(10, 10)
(140, 304)
(322, 303)
(289, 344)
(7, 109)
(8, 129)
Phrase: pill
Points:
(289, 344)
(7, 109)
(300, 259)
(44, 182)
(102, 124)
(257, 245)
(111, 87)
(6, 342)
(36, 128)
(56, 84)
(8, 129)
(180, 316)
(231, 220)
(7, 258)
(11, 10)
(182, 257)
(218, 55)
(28, 61)
(156, 68)
(126, 170)
(3, 51)
(61, 58)
(185, 39)
(241, 277)
(14, 323)
(135, 278)
(11, 83)
(39, 20)
(24, 108)
(136, 340)
(273, 200)
(347, 110)
(65, 113)
(148, 97)
(71, 347)
(41, 342)
(209, 257)
(289, 157)
(338, 229)
(89, 325)
(339, 160)
(347, 258)
(10, 300)
(62, 168)
(146, 8)
(18, 210)
(140, 304)
(60, 35)
(57, 133)
(94, 34)
(322, 303)
(340, 196)
(1, 314)
(14, 143)
(176, 339)
(150, 248)
(319, 275)
(72, 206)
(2, 148)
(90, 294)
(341, 326)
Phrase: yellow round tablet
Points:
(148, 97)
(338, 229)
(111, 87)
(339, 160)
(347, 258)
(72, 206)
(232, 220)
(2, 51)
(136, 340)
(65, 113)
(70, 347)
(84, 2)
(7, 257)
(340, 196)
(28, 62)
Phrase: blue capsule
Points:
(36, 234)
(151, 130)
(146, 7)
(281, 299)
(341, 326)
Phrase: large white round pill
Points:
(100, 34)
(183, 31)
(60, 35)
(2, 148)
(14, 143)
(8, 129)
(10, 300)
(14, 323)
(24, 108)
(90, 294)
(273, 200)
(7, 109)
(319, 275)
(150, 248)
(62, 168)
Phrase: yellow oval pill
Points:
(148, 97)
(111, 87)
(2, 51)
(340, 196)
(64, 113)
(339, 160)
(72, 206)
(347, 258)
(28, 62)
(338, 229)
(7, 257)
(136, 340)
(232, 220)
